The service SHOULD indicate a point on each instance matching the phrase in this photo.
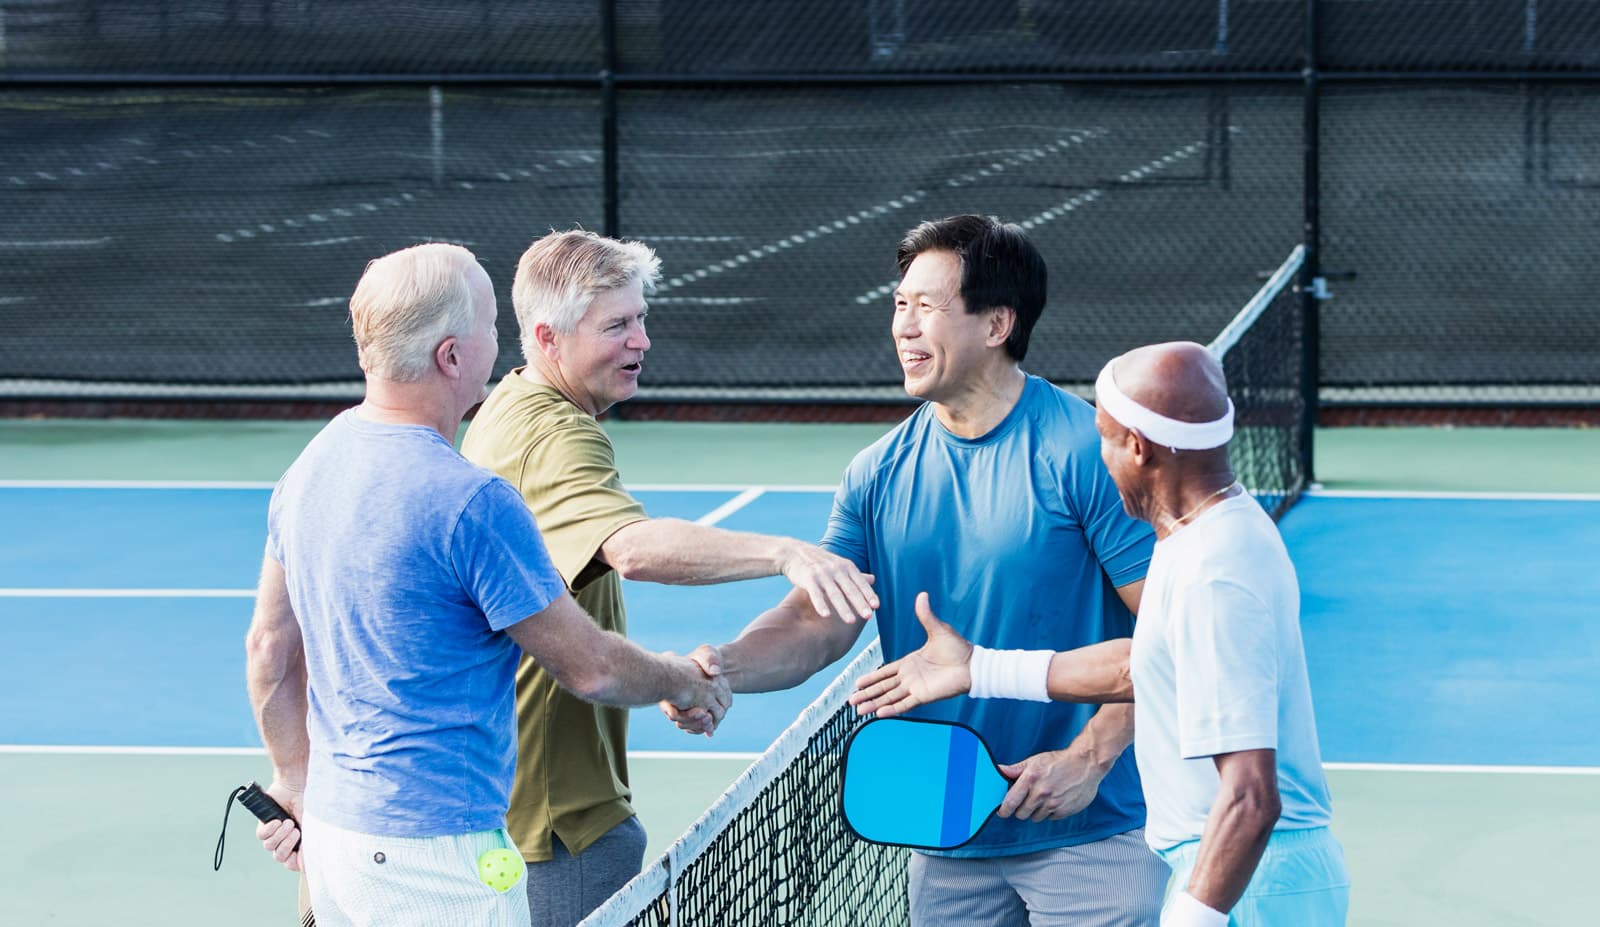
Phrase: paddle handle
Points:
(265, 807)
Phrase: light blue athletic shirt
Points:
(1019, 538)
(1219, 666)
(404, 564)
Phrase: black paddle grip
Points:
(262, 805)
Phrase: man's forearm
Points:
(1096, 673)
(682, 553)
(1105, 737)
(784, 647)
(275, 677)
(1236, 834)
(277, 686)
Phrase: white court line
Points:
(705, 300)
(16, 593)
(266, 485)
(1073, 137)
(1461, 768)
(1049, 215)
(71, 750)
(767, 250)
(732, 505)
(82, 750)
(1058, 211)
(377, 204)
(57, 243)
(113, 162)
(52, 750)
(131, 484)
(1446, 494)
(730, 487)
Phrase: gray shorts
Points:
(1115, 882)
(563, 890)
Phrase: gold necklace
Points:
(1178, 522)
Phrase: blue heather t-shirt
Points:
(404, 565)
(1019, 538)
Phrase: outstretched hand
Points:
(937, 670)
(695, 719)
(834, 584)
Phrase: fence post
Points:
(1310, 271)
(608, 117)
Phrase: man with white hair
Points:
(1224, 730)
(398, 584)
(580, 303)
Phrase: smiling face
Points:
(940, 344)
(600, 361)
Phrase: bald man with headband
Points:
(1224, 730)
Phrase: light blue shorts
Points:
(1301, 880)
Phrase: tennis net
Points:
(773, 850)
(1261, 354)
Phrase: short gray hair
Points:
(560, 275)
(406, 303)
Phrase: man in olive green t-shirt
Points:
(580, 305)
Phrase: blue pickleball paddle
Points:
(930, 785)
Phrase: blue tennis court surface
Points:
(1439, 631)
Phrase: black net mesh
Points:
(1265, 367)
(1459, 234)
(774, 850)
(203, 230)
(1475, 35)
(295, 37)
(214, 236)
(889, 36)
(1155, 207)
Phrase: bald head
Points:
(1178, 379)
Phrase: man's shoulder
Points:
(1052, 405)
(892, 446)
(519, 415)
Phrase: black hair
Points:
(999, 267)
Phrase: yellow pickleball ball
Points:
(500, 869)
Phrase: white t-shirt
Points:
(1218, 667)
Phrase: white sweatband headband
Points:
(1167, 432)
(1023, 674)
(1185, 910)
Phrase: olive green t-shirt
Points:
(572, 763)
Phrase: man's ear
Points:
(1002, 319)
(1139, 446)
(446, 358)
(545, 337)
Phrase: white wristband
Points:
(1023, 674)
(1185, 910)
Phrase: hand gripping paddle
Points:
(931, 785)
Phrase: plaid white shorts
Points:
(362, 880)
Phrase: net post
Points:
(608, 116)
(1310, 269)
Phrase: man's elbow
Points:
(591, 683)
(1263, 806)
(271, 653)
(628, 554)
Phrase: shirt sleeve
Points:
(570, 483)
(501, 560)
(1224, 651)
(846, 535)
